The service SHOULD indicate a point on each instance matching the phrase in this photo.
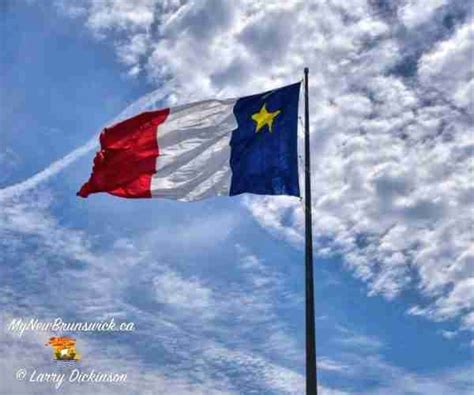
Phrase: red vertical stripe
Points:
(126, 161)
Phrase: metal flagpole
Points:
(311, 368)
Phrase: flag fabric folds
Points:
(203, 149)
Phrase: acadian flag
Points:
(203, 149)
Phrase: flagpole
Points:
(311, 367)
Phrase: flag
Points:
(203, 149)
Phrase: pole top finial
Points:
(306, 70)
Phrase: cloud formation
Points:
(391, 112)
(391, 108)
(207, 328)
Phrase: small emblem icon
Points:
(64, 348)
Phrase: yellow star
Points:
(263, 117)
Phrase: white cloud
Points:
(449, 334)
(353, 340)
(399, 381)
(415, 12)
(448, 68)
(325, 363)
(183, 294)
(106, 15)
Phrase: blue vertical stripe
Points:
(265, 162)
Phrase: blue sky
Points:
(215, 288)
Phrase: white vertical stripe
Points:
(195, 151)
